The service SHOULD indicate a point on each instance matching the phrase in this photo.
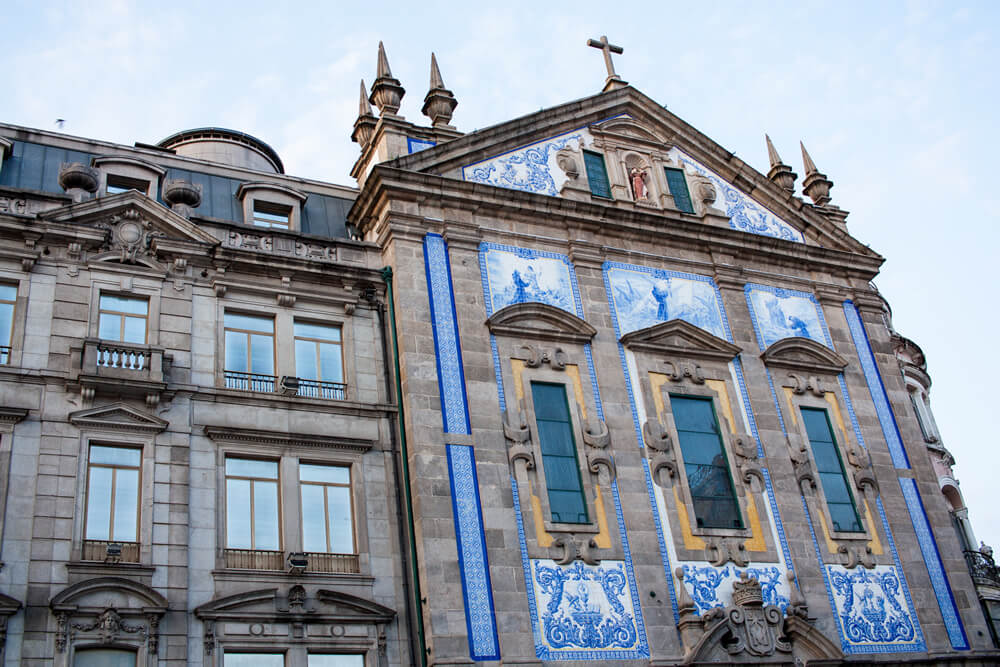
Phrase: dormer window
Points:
(118, 184)
(271, 206)
(266, 214)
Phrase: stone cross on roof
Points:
(613, 81)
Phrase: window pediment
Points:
(625, 127)
(274, 604)
(540, 321)
(682, 338)
(93, 594)
(803, 354)
(118, 416)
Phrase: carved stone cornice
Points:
(225, 434)
(11, 416)
(540, 321)
(118, 417)
(677, 337)
(803, 354)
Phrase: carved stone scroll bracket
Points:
(576, 546)
(747, 462)
(518, 435)
(535, 356)
(597, 439)
(796, 601)
(62, 632)
(721, 550)
(864, 475)
(854, 554)
(803, 469)
(660, 451)
(678, 371)
(575, 187)
(804, 383)
(209, 637)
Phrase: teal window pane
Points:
(265, 515)
(832, 477)
(317, 331)
(135, 330)
(103, 657)
(705, 464)
(251, 468)
(253, 660)
(559, 459)
(262, 354)
(305, 360)
(236, 351)
(126, 505)
(339, 514)
(109, 327)
(123, 456)
(238, 535)
(329, 474)
(8, 292)
(6, 322)
(679, 189)
(313, 519)
(332, 660)
(99, 504)
(597, 174)
(124, 304)
(249, 322)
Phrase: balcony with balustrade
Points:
(120, 369)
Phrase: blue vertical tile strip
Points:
(473, 562)
(914, 504)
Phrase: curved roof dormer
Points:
(229, 147)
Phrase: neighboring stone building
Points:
(582, 386)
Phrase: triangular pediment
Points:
(111, 210)
(803, 354)
(276, 604)
(541, 154)
(680, 338)
(118, 416)
(540, 321)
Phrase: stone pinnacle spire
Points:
(364, 126)
(387, 93)
(779, 173)
(439, 102)
(816, 185)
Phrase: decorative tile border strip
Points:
(473, 561)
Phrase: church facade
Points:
(579, 387)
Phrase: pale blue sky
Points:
(895, 101)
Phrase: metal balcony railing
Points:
(110, 552)
(255, 559)
(983, 569)
(250, 381)
(320, 389)
(336, 563)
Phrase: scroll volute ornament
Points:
(518, 435)
(660, 451)
(597, 438)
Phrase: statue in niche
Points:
(637, 177)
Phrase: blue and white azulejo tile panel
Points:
(530, 168)
(780, 313)
(744, 213)
(415, 145)
(451, 376)
(872, 610)
(642, 297)
(710, 586)
(519, 275)
(585, 612)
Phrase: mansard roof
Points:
(627, 116)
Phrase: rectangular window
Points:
(8, 297)
(249, 341)
(266, 214)
(705, 463)
(252, 512)
(113, 494)
(597, 174)
(679, 189)
(327, 523)
(119, 184)
(319, 360)
(123, 318)
(555, 436)
(336, 660)
(830, 467)
(253, 659)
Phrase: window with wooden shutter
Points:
(830, 467)
(705, 463)
(679, 189)
(597, 174)
(562, 470)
